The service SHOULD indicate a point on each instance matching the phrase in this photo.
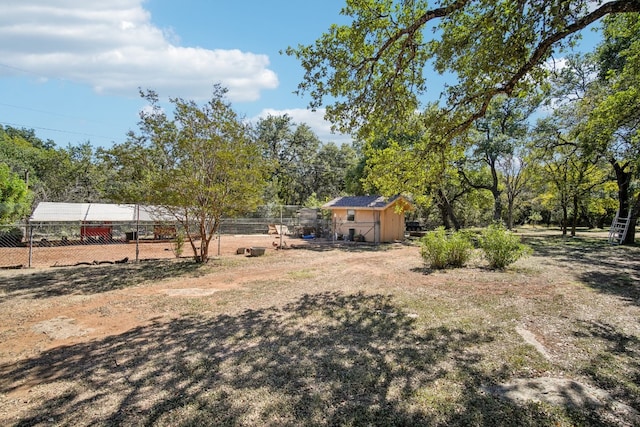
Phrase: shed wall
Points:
(376, 225)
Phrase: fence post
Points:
(219, 236)
(137, 232)
(30, 243)
(281, 226)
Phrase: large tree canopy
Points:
(68, 174)
(613, 108)
(374, 71)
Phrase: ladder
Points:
(619, 228)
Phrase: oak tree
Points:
(374, 71)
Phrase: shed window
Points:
(351, 215)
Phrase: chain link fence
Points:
(46, 244)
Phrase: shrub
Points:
(501, 247)
(178, 245)
(434, 248)
(441, 250)
(459, 249)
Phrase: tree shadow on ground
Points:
(610, 269)
(328, 245)
(86, 280)
(615, 363)
(326, 359)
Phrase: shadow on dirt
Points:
(327, 245)
(86, 280)
(325, 359)
(615, 364)
(607, 268)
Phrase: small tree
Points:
(200, 166)
(178, 244)
(535, 218)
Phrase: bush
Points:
(441, 250)
(434, 248)
(501, 247)
(178, 245)
(459, 249)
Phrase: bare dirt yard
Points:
(321, 334)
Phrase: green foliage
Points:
(373, 69)
(501, 247)
(200, 166)
(371, 74)
(434, 248)
(535, 217)
(612, 104)
(441, 249)
(459, 249)
(14, 197)
(177, 245)
(302, 165)
(290, 149)
(71, 174)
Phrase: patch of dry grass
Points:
(336, 337)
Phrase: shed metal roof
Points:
(75, 212)
(367, 202)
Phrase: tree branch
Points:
(614, 7)
(416, 26)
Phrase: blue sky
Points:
(71, 70)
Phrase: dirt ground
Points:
(77, 316)
(67, 255)
(46, 308)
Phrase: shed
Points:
(370, 218)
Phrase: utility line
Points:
(52, 113)
(48, 112)
(56, 130)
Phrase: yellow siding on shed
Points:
(380, 226)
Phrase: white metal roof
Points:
(66, 212)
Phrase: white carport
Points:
(96, 212)
(99, 221)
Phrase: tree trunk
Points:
(446, 210)
(574, 216)
(631, 233)
(204, 242)
(444, 215)
(497, 204)
(623, 179)
(452, 216)
(495, 191)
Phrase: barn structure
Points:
(374, 219)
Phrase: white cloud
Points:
(113, 47)
(314, 119)
(555, 64)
